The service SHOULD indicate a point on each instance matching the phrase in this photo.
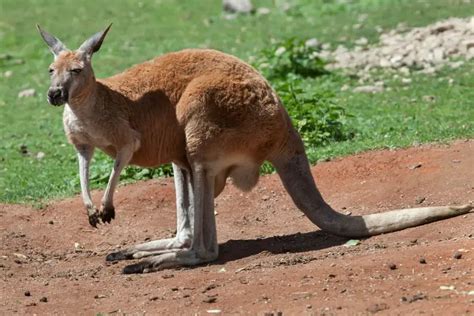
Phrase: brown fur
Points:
(195, 103)
(68, 60)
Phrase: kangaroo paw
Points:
(107, 214)
(94, 216)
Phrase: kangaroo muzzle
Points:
(57, 96)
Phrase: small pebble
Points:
(420, 199)
(27, 293)
(210, 299)
(27, 93)
(392, 266)
(415, 166)
(44, 299)
(457, 255)
(422, 261)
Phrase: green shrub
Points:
(291, 57)
(316, 116)
(314, 113)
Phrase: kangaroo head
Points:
(71, 72)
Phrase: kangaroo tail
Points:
(293, 168)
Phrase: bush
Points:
(291, 57)
(318, 119)
(315, 115)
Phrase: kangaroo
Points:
(212, 116)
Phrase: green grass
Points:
(145, 29)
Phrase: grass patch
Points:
(145, 29)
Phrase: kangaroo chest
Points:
(87, 130)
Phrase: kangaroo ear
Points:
(55, 45)
(93, 44)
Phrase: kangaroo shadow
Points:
(299, 242)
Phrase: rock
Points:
(428, 98)
(77, 247)
(20, 255)
(230, 16)
(280, 51)
(44, 299)
(345, 87)
(237, 6)
(27, 293)
(438, 55)
(312, 42)
(420, 199)
(40, 155)
(210, 299)
(414, 298)
(326, 46)
(8, 74)
(422, 260)
(456, 64)
(424, 48)
(361, 41)
(263, 11)
(457, 255)
(209, 287)
(415, 166)
(392, 266)
(27, 93)
(378, 307)
(368, 89)
(352, 243)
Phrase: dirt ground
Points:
(272, 259)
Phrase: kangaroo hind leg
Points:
(204, 247)
(182, 240)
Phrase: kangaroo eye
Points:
(76, 70)
(50, 70)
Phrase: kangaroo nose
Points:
(57, 96)
(53, 94)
